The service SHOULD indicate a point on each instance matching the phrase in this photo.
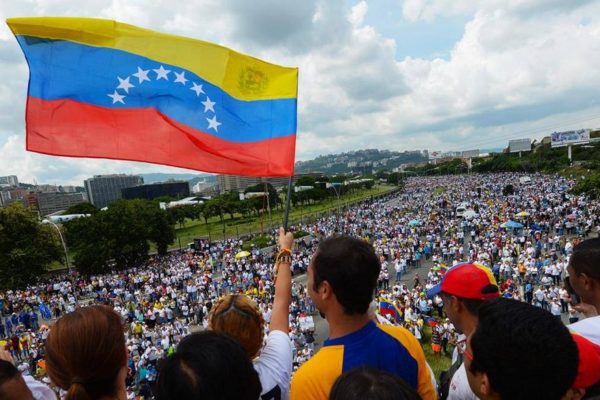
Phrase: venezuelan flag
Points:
(388, 308)
(104, 89)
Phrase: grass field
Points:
(437, 363)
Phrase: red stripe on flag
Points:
(70, 128)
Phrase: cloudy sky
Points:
(388, 74)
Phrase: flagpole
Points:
(287, 203)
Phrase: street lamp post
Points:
(62, 240)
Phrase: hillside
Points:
(360, 161)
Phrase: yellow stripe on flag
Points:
(243, 77)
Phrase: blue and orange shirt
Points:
(389, 348)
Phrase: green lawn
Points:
(438, 364)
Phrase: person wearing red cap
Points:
(463, 289)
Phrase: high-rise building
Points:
(10, 180)
(177, 190)
(228, 183)
(50, 203)
(104, 189)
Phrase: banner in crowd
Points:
(104, 89)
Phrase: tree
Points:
(26, 247)
(119, 236)
(393, 178)
(259, 202)
(82, 208)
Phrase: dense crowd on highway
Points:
(523, 234)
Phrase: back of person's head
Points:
(12, 385)
(371, 384)
(586, 258)
(239, 317)
(85, 353)
(351, 268)
(519, 351)
(208, 366)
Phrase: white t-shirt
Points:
(39, 390)
(274, 366)
(459, 386)
(588, 328)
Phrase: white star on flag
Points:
(208, 105)
(213, 123)
(197, 88)
(162, 73)
(117, 98)
(142, 75)
(124, 84)
(180, 78)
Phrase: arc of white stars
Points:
(124, 84)
(213, 123)
(180, 77)
(208, 105)
(197, 88)
(161, 73)
(142, 75)
(116, 97)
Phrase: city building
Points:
(228, 183)
(10, 180)
(175, 189)
(50, 203)
(47, 188)
(4, 198)
(104, 189)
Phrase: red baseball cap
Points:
(469, 281)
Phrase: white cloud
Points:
(520, 66)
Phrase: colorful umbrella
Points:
(523, 214)
(242, 254)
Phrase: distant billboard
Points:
(580, 136)
(434, 155)
(517, 145)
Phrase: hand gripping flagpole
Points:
(287, 203)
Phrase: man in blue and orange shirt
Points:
(342, 278)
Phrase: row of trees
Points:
(121, 236)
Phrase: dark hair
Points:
(586, 258)
(7, 372)
(85, 352)
(535, 347)
(371, 384)
(351, 268)
(210, 366)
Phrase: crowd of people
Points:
(521, 236)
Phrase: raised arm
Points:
(283, 283)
